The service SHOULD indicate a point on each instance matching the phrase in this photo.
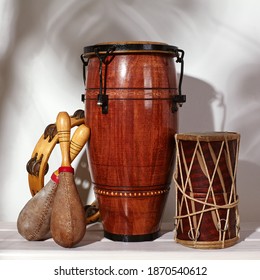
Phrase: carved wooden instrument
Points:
(37, 166)
(34, 219)
(207, 214)
(68, 216)
(132, 97)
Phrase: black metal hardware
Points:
(180, 98)
(103, 102)
(85, 64)
(131, 47)
(102, 99)
(83, 97)
(104, 50)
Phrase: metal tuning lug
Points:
(178, 100)
(83, 97)
(102, 101)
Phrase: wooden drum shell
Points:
(131, 150)
(206, 200)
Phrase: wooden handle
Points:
(78, 140)
(63, 127)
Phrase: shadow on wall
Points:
(248, 178)
(244, 100)
(83, 179)
(195, 115)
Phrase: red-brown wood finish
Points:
(222, 180)
(203, 224)
(131, 150)
(206, 171)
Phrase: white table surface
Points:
(95, 246)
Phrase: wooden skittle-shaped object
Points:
(68, 224)
(33, 222)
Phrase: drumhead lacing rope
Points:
(187, 199)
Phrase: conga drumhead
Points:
(128, 47)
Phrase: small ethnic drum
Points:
(131, 107)
(206, 196)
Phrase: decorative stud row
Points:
(131, 193)
(130, 93)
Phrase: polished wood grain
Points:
(131, 150)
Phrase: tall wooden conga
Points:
(206, 195)
(131, 107)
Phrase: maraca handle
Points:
(78, 140)
(63, 128)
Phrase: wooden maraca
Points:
(68, 224)
(33, 222)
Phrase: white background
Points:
(41, 74)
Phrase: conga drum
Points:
(206, 195)
(131, 103)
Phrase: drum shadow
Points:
(83, 180)
(196, 115)
(244, 103)
(248, 191)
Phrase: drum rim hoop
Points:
(132, 46)
(217, 244)
(208, 136)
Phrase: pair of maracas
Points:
(57, 210)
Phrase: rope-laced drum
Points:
(206, 196)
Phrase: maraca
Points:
(33, 222)
(68, 224)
